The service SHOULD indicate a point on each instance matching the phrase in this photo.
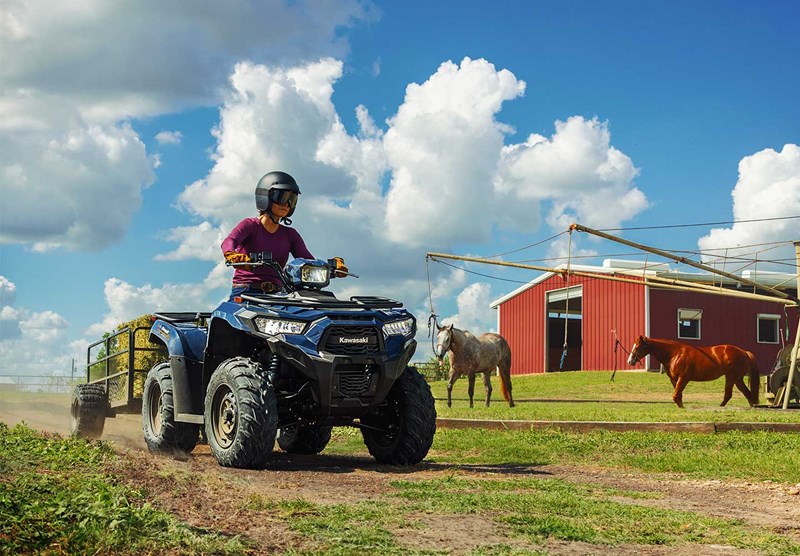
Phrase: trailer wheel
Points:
(161, 432)
(241, 414)
(298, 439)
(88, 409)
(401, 431)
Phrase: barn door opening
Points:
(565, 303)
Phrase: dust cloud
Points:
(51, 413)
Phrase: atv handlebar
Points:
(265, 259)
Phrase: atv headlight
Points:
(273, 327)
(399, 327)
(314, 274)
(308, 273)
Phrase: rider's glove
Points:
(340, 270)
(234, 257)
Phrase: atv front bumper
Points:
(346, 385)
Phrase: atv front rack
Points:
(355, 302)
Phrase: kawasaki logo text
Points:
(343, 340)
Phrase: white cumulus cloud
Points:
(31, 343)
(195, 242)
(443, 147)
(474, 313)
(435, 173)
(272, 119)
(72, 74)
(122, 59)
(169, 137)
(576, 170)
(65, 176)
(768, 188)
(8, 291)
(126, 301)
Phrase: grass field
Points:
(591, 396)
(66, 496)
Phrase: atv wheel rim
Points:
(154, 402)
(392, 421)
(225, 417)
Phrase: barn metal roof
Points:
(638, 268)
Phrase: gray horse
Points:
(470, 355)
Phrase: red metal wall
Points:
(610, 306)
(726, 320)
(522, 324)
(620, 306)
(607, 306)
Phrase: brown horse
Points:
(685, 363)
(469, 355)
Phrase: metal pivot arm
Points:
(793, 363)
(787, 391)
(670, 284)
(684, 260)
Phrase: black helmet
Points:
(277, 187)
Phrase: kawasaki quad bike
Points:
(288, 366)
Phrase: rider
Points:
(276, 199)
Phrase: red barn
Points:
(533, 318)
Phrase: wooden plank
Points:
(618, 426)
(770, 427)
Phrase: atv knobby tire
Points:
(401, 431)
(161, 432)
(89, 408)
(298, 439)
(241, 414)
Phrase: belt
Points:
(266, 287)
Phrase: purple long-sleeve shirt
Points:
(250, 236)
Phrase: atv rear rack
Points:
(182, 317)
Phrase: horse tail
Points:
(504, 367)
(754, 378)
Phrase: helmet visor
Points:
(283, 197)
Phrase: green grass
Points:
(540, 509)
(756, 456)
(591, 396)
(529, 511)
(345, 529)
(59, 496)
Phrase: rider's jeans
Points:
(248, 290)
(240, 290)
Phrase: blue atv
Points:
(284, 366)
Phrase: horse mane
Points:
(462, 334)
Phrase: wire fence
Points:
(65, 384)
(432, 371)
(42, 383)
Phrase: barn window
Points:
(768, 329)
(689, 323)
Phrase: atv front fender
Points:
(185, 345)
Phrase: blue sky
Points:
(132, 136)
